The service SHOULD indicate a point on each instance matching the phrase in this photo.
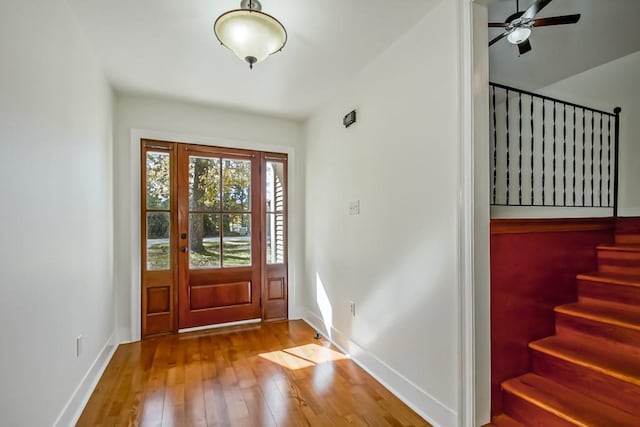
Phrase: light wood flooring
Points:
(273, 374)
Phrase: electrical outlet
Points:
(78, 345)
(354, 208)
(352, 308)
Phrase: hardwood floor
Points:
(273, 374)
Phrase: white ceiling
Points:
(606, 31)
(167, 48)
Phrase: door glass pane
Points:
(236, 185)
(275, 238)
(158, 173)
(204, 184)
(236, 240)
(275, 186)
(158, 242)
(204, 241)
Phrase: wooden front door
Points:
(214, 236)
(219, 235)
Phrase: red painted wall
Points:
(533, 269)
(627, 230)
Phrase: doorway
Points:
(214, 236)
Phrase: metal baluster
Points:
(564, 155)
(609, 161)
(593, 143)
(584, 155)
(495, 146)
(600, 163)
(532, 163)
(575, 144)
(554, 154)
(544, 199)
(508, 143)
(520, 149)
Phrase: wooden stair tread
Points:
(505, 421)
(620, 248)
(566, 403)
(622, 365)
(602, 313)
(610, 278)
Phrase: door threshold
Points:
(219, 325)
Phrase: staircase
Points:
(588, 374)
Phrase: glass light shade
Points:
(519, 35)
(250, 34)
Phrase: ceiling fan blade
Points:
(535, 8)
(524, 47)
(497, 24)
(497, 39)
(556, 20)
(515, 16)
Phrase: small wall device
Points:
(349, 119)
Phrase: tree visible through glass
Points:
(158, 197)
(220, 212)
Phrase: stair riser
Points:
(530, 414)
(605, 292)
(505, 421)
(612, 391)
(628, 239)
(567, 324)
(619, 262)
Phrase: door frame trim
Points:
(135, 279)
(473, 214)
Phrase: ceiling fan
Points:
(518, 26)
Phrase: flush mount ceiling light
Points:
(250, 33)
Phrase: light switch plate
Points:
(354, 208)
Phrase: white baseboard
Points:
(631, 212)
(425, 405)
(124, 336)
(295, 314)
(74, 407)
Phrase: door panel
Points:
(275, 305)
(218, 218)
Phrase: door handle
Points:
(184, 249)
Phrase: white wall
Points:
(56, 216)
(614, 84)
(138, 116)
(398, 259)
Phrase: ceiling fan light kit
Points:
(518, 26)
(519, 35)
(249, 33)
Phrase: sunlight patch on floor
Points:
(304, 356)
(287, 360)
(315, 353)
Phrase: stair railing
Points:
(546, 152)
